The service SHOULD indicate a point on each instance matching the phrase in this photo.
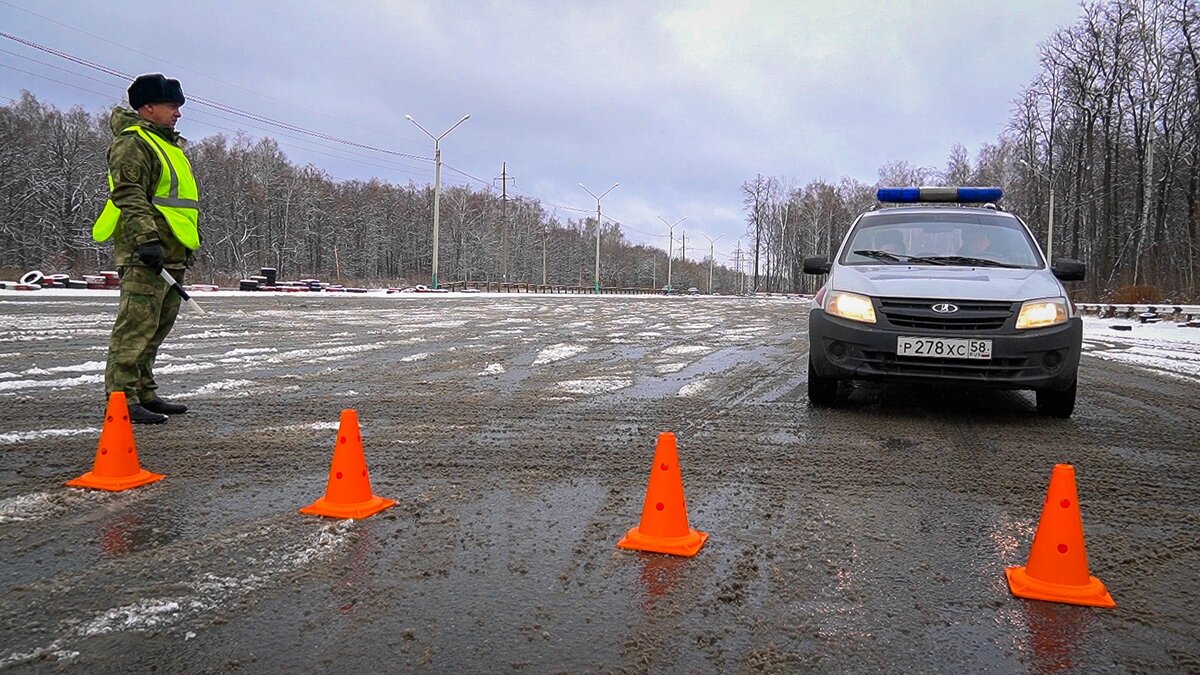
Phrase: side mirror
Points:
(1068, 270)
(816, 265)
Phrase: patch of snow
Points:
(26, 436)
(210, 591)
(250, 350)
(687, 349)
(441, 324)
(89, 367)
(223, 385)
(693, 388)
(26, 507)
(209, 334)
(52, 384)
(492, 369)
(557, 352)
(315, 426)
(414, 357)
(594, 385)
(185, 368)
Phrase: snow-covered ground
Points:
(1169, 348)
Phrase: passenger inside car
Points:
(977, 243)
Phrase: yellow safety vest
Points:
(176, 196)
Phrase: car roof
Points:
(925, 210)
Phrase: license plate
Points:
(943, 348)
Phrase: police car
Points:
(947, 289)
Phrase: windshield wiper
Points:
(967, 260)
(899, 257)
(878, 255)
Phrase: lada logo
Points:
(944, 308)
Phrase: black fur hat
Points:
(154, 88)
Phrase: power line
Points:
(51, 65)
(158, 58)
(199, 116)
(238, 112)
(51, 79)
(208, 102)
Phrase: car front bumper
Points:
(1041, 358)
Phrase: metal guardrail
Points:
(502, 287)
(1141, 310)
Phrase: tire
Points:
(822, 391)
(1056, 403)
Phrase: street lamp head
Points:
(409, 118)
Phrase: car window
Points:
(938, 238)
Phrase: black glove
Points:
(151, 256)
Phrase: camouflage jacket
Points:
(135, 170)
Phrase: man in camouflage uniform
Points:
(140, 170)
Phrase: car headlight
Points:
(850, 306)
(1042, 313)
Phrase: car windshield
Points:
(954, 238)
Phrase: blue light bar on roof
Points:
(964, 195)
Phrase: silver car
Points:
(952, 293)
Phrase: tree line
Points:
(1111, 124)
(261, 210)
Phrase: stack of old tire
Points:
(34, 280)
(102, 281)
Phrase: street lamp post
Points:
(437, 184)
(671, 246)
(711, 258)
(614, 185)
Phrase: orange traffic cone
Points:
(1057, 569)
(348, 494)
(116, 467)
(664, 527)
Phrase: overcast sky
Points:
(681, 102)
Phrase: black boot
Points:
(140, 415)
(162, 407)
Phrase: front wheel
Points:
(822, 391)
(1056, 403)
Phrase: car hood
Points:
(962, 283)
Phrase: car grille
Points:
(972, 315)
(993, 370)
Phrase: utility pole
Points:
(737, 263)
(504, 178)
(544, 227)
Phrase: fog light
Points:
(837, 349)
(1052, 359)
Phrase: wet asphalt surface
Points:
(516, 435)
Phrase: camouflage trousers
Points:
(145, 316)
